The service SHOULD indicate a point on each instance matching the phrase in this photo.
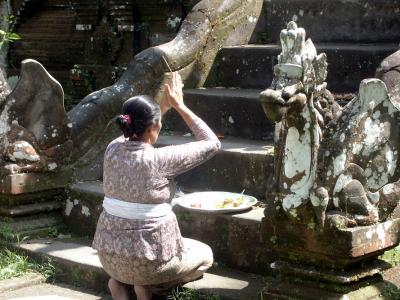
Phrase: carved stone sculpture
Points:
(333, 163)
(34, 128)
(37, 137)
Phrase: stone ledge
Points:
(332, 276)
(54, 291)
(250, 66)
(92, 187)
(229, 144)
(79, 263)
(228, 234)
(20, 282)
(330, 247)
(24, 183)
(29, 209)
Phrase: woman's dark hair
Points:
(138, 113)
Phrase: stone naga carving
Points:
(34, 128)
(28, 120)
(333, 163)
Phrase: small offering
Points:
(229, 202)
(217, 202)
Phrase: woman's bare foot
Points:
(119, 290)
(143, 293)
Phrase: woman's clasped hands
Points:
(173, 95)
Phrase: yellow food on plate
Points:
(230, 203)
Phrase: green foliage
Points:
(187, 294)
(13, 264)
(52, 232)
(6, 233)
(8, 36)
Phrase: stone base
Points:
(315, 283)
(365, 270)
(330, 247)
(23, 183)
(298, 290)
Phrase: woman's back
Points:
(131, 174)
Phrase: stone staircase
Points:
(31, 215)
(87, 11)
(121, 13)
(229, 104)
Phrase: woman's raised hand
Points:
(165, 103)
(173, 91)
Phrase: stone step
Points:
(31, 226)
(53, 291)
(333, 21)
(25, 281)
(229, 112)
(8, 200)
(247, 240)
(240, 165)
(29, 209)
(77, 263)
(234, 238)
(250, 66)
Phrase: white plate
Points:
(207, 201)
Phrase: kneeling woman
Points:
(138, 237)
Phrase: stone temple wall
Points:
(86, 44)
(362, 21)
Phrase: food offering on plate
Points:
(216, 202)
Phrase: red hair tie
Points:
(127, 118)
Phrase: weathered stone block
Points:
(23, 183)
(330, 247)
(83, 206)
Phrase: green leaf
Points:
(13, 36)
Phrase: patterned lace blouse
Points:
(138, 172)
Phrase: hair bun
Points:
(124, 125)
(139, 112)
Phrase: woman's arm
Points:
(173, 160)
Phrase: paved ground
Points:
(393, 275)
(51, 292)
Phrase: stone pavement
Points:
(46, 291)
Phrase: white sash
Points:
(135, 211)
